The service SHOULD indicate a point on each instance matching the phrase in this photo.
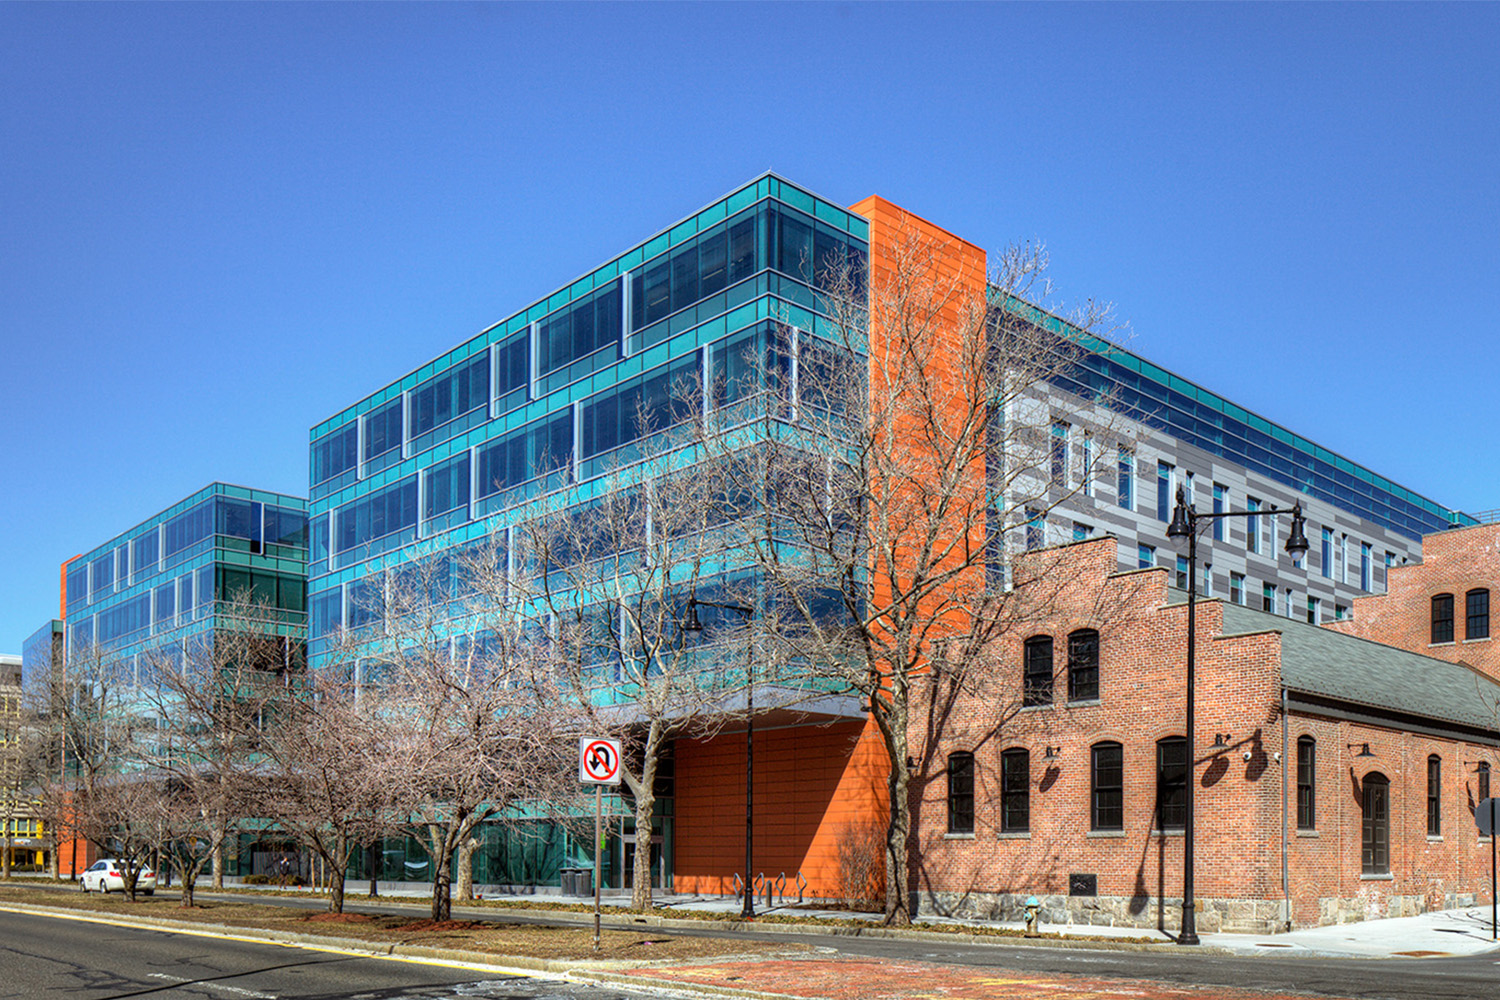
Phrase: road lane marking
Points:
(209, 984)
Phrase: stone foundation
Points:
(1251, 916)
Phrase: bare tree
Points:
(472, 711)
(105, 792)
(326, 775)
(913, 451)
(616, 562)
(214, 697)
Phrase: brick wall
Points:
(1142, 658)
(1453, 562)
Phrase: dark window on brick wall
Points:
(1483, 780)
(1442, 618)
(1375, 825)
(1015, 791)
(961, 793)
(1307, 759)
(1107, 787)
(1171, 783)
(1477, 614)
(1037, 677)
(1083, 665)
(1434, 796)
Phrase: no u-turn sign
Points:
(598, 761)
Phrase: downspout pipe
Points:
(1286, 896)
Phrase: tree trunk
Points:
(442, 879)
(54, 864)
(371, 859)
(5, 863)
(335, 888)
(189, 883)
(219, 866)
(898, 831)
(464, 877)
(645, 806)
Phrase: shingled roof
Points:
(1323, 663)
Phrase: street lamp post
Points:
(1185, 526)
(694, 625)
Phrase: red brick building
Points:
(1441, 606)
(1336, 776)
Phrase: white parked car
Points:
(108, 875)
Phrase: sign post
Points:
(598, 765)
(1484, 818)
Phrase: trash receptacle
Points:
(583, 881)
(569, 881)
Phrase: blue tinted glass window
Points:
(1163, 490)
(445, 486)
(512, 369)
(102, 575)
(643, 405)
(326, 612)
(144, 553)
(523, 455)
(374, 516)
(460, 389)
(78, 584)
(579, 329)
(335, 454)
(1125, 480)
(383, 428)
(285, 526)
(166, 603)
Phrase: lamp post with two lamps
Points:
(694, 625)
(1185, 526)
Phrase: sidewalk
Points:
(1446, 932)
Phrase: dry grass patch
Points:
(564, 943)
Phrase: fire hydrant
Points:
(1033, 917)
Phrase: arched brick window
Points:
(1442, 617)
(1307, 787)
(961, 792)
(1477, 614)
(1083, 665)
(1015, 790)
(1171, 783)
(1037, 671)
(1434, 796)
(1107, 787)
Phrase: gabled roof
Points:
(1323, 663)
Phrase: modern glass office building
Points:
(555, 393)
(558, 388)
(171, 578)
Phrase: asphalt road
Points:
(1463, 978)
(52, 957)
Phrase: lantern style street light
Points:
(1185, 526)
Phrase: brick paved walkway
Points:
(864, 979)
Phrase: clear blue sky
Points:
(220, 224)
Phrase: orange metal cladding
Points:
(815, 786)
(927, 300)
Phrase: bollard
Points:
(1033, 917)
